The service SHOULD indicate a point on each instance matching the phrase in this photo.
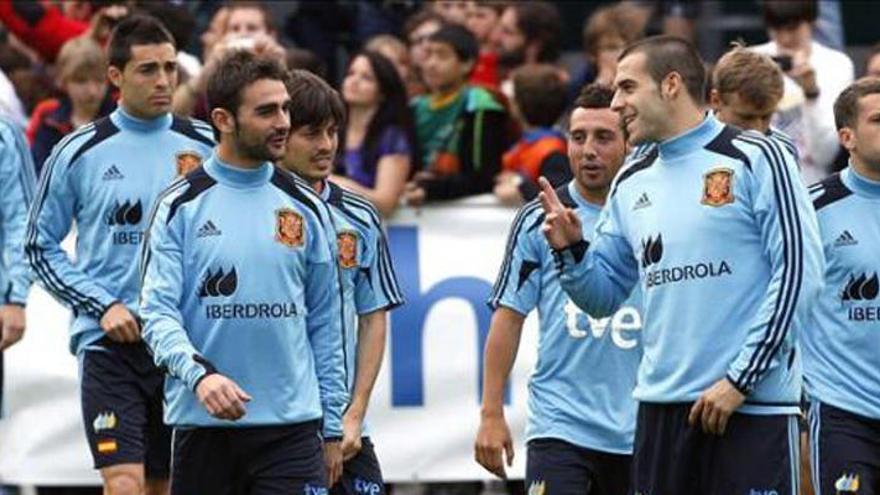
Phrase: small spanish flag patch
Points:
(107, 446)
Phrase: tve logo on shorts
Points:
(314, 490)
(762, 492)
(627, 318)
(366, 487)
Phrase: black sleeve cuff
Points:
(733, 382)
(107, 308)
(209, 369)
(572, 254)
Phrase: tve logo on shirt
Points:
(222, 283)
(126, 214)
(860, 290)
(626, 319)
(652, 254)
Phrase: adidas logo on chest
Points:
(642, 202)
(208, 229)
(112, 173)
(845, 239)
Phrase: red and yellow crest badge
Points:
(187, 161)
(289, 228)
(718, 187)
(347, 244)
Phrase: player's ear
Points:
(223, 120)
(846, 136)
(114, 74)
(670, 85)
(714, 99)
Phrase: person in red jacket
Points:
(539, 96)
(43, 26)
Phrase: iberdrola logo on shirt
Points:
(223, 283)
(858, 295)
(652, 255)
(123, 219)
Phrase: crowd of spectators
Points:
(452, 99)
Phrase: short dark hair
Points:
(312, 101)
(846, 106)
(540, 21)
(540, 94)
(786, 13)
(594, 95)
(421, 17)
(235, 72)
(135, 30)
(462, 41)
(665, 54)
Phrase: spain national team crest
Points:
(718, 187)
(347, 244)
(187, 161)
(289, 228)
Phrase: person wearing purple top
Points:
(379, 138)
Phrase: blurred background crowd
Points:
(445, 99)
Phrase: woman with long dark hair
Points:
(379, 139)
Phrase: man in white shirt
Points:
(818, 74)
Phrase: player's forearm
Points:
(323, 325)
(172, 349)
(372, 330)
(66, 283)
(498, 358)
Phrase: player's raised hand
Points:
(562, 227)
(120, 324)
(493, 441)
(222, 397)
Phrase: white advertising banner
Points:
(425, 408)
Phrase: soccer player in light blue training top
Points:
(715, 227)
(16, 190)
(106, 176)
(369, 284)
(582, 416)
(841, 365)
(241, 304)
(746, 89)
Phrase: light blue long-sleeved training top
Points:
(368, 280)
(716, 228)
(581, 389)
(105, 177)
(840, 344)
(17, 181)
(239, 276)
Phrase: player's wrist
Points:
(571, 254)
(356, 412)
(492, 412)
(733, 384)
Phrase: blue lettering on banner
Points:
(408, 322)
